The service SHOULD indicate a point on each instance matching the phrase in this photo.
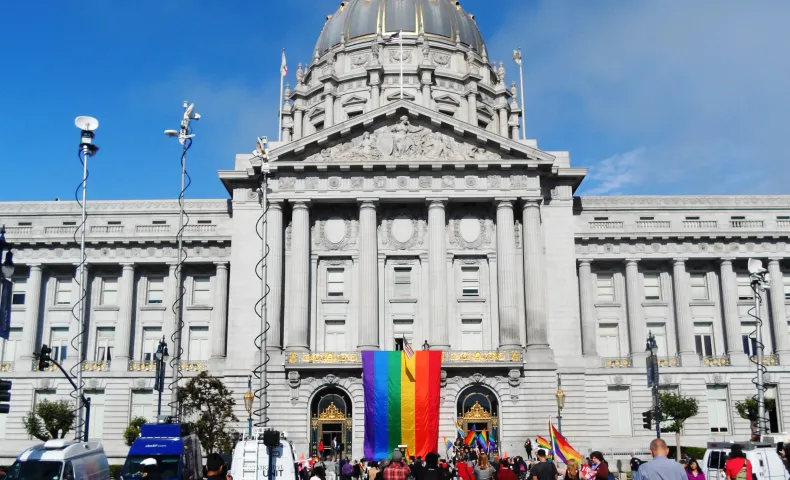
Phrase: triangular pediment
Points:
(395, 96)
(447, 99)
(405, 132)
(354, 100)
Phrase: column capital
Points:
(221, 265)
(276, 203)
(491, 256)
(726, 260)
(437, 202)
(127, 266)
(532, 202)
(631, 261)
(35, 266)
(368, 203)
(774, 260)
(505, 202)
(585, 261)
(679, 261)
(301, 204)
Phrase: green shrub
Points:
(115, 471)
(693, 452)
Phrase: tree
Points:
(747, 410)
(675, 409)
(132, 432)
(206, 399)
(50, 420)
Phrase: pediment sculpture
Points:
(403, 141)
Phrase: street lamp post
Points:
(161, 363)
(560, 396)
(653, 379)
(426, 346)
(6, 287)
(249, 397)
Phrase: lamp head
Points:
(171, 133)
(8, 265)
(560, 395)
(756, 267)
(249, 397)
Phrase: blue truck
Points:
(177, 453)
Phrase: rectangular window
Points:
(151, 338)
(96, 426)
(63, 291)
(718, 416)
(744, 287)
(19, 291)
(109, 291)
(608, 341)
(142, 405)
(59, 343)
(403, 328)
(159, 222)
(652, 286)
(604, 287)
(644, 219)
(156, 290)
(659, 330)
(699, 286)
(619, 411)
(692, 218)
(786, 285)
(471, 334)
(201, 291)
(114, 222)
(204, 222)
(402, 278)
(335, 282)
(105, 339)
(335, 335)
(198, 344)
(749, 338)
(703, 339)
(11, 347)
(470, 281)
(772, 408)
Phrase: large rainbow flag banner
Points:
(562, 449)
(401, 402)
(545, 445)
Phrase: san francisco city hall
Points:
(425, 217)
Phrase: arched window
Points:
(330, 421)
(477, 409)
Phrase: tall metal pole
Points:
(249, 412)
(175, 410)
(264, 272)
(523, 111)
(280, 101)
(400, 38)
(761, 420)
(559, 407)
(82, 274)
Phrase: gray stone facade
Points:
(427, 218)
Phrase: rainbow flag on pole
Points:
(401, 401)
(545, 445)
(562, 448)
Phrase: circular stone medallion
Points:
(335, 229)
(469, 228)
(402, 229)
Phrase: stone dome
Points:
(439, 19)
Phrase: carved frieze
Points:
(402, 231)
(334, 233)
(442, 59)
(470, 232)
(395, 55)
(286, 183)
(360, 60)
(402, 141)
(670, 247)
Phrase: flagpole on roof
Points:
(283, 73)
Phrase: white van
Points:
(251, 459)
(766, 464)
(61, 460)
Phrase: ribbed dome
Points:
(358, 19)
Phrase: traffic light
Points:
(5, 396)
(647, 420)
(44, 358)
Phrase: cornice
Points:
(702, 202)
(667, 249)
(115, 206)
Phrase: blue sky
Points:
(654, 97)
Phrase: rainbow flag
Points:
(470, 437)
(401, 402)
(545, 445)
(562, 448)
(458, 428)
(448, 445)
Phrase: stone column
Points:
(685, 322)
(636, 321)
(375, 96)
(503, 122)
(438, 334)
(286, 133)
(778, 310)
(329, 109)
(30, 328)
(368, 277)
(274, 266)
(514, 130)
(219, 317)
(732, 319)
(298, 326)
(471, 100)
(507, 276)
(298, 123)
(123, 329)
(587, 303)
(538, 351)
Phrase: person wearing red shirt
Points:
(321, 449)
(465, 471)
(505, 472)
(737, 462)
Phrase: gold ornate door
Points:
(331, 420)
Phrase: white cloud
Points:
(615, 173)
(701, 86)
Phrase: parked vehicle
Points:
(61, 460)
(251, 459)
(177, 453)
(766, 464)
